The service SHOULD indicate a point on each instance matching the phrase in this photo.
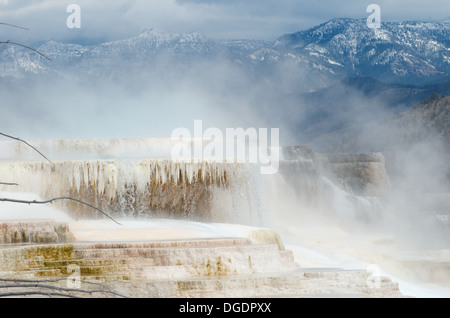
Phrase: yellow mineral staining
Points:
(50, 252)
(266, 236)
(222, 268)
(212, 268)
(250, 263)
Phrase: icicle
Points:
(120, 186)
(76, 178)
(86, 175)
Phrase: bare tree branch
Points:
(21, 140)
(27, 47)
(38, 283)
(60, 289)
(14, 26)
(19, 44)
(20, 280)
(28, 293)
(55, 199)
(46, 201)
(9, 184)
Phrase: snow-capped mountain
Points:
(407, 52)
(403, 52)
(151, 42)
(17, 62)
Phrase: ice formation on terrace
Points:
(142, 187)
(138, 178)
(131, 177)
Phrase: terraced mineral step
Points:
(150, 259)
(250, 258)
(290, 283)
(191, 268)
(287, 284)
(169, 243)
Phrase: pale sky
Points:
(229, 19)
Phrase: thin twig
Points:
(19, 280)
(51, 200)
(14, 26)
(27, 47)
(27, 293)
(38, 283)
(55, 199)
(60, 289)
(9, 184)
(21, 140)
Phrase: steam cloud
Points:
(135, 101)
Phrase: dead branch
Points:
(19, 44)
(19, 280)
(14, 26)
(59, 289)
(9, 184)
(46, 201)
(56, 199)
(28, 293)
(27, 47)
(21, 140)
(37, 283)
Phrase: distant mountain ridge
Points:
(399, 52)
(406, 52)
(319, 84)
